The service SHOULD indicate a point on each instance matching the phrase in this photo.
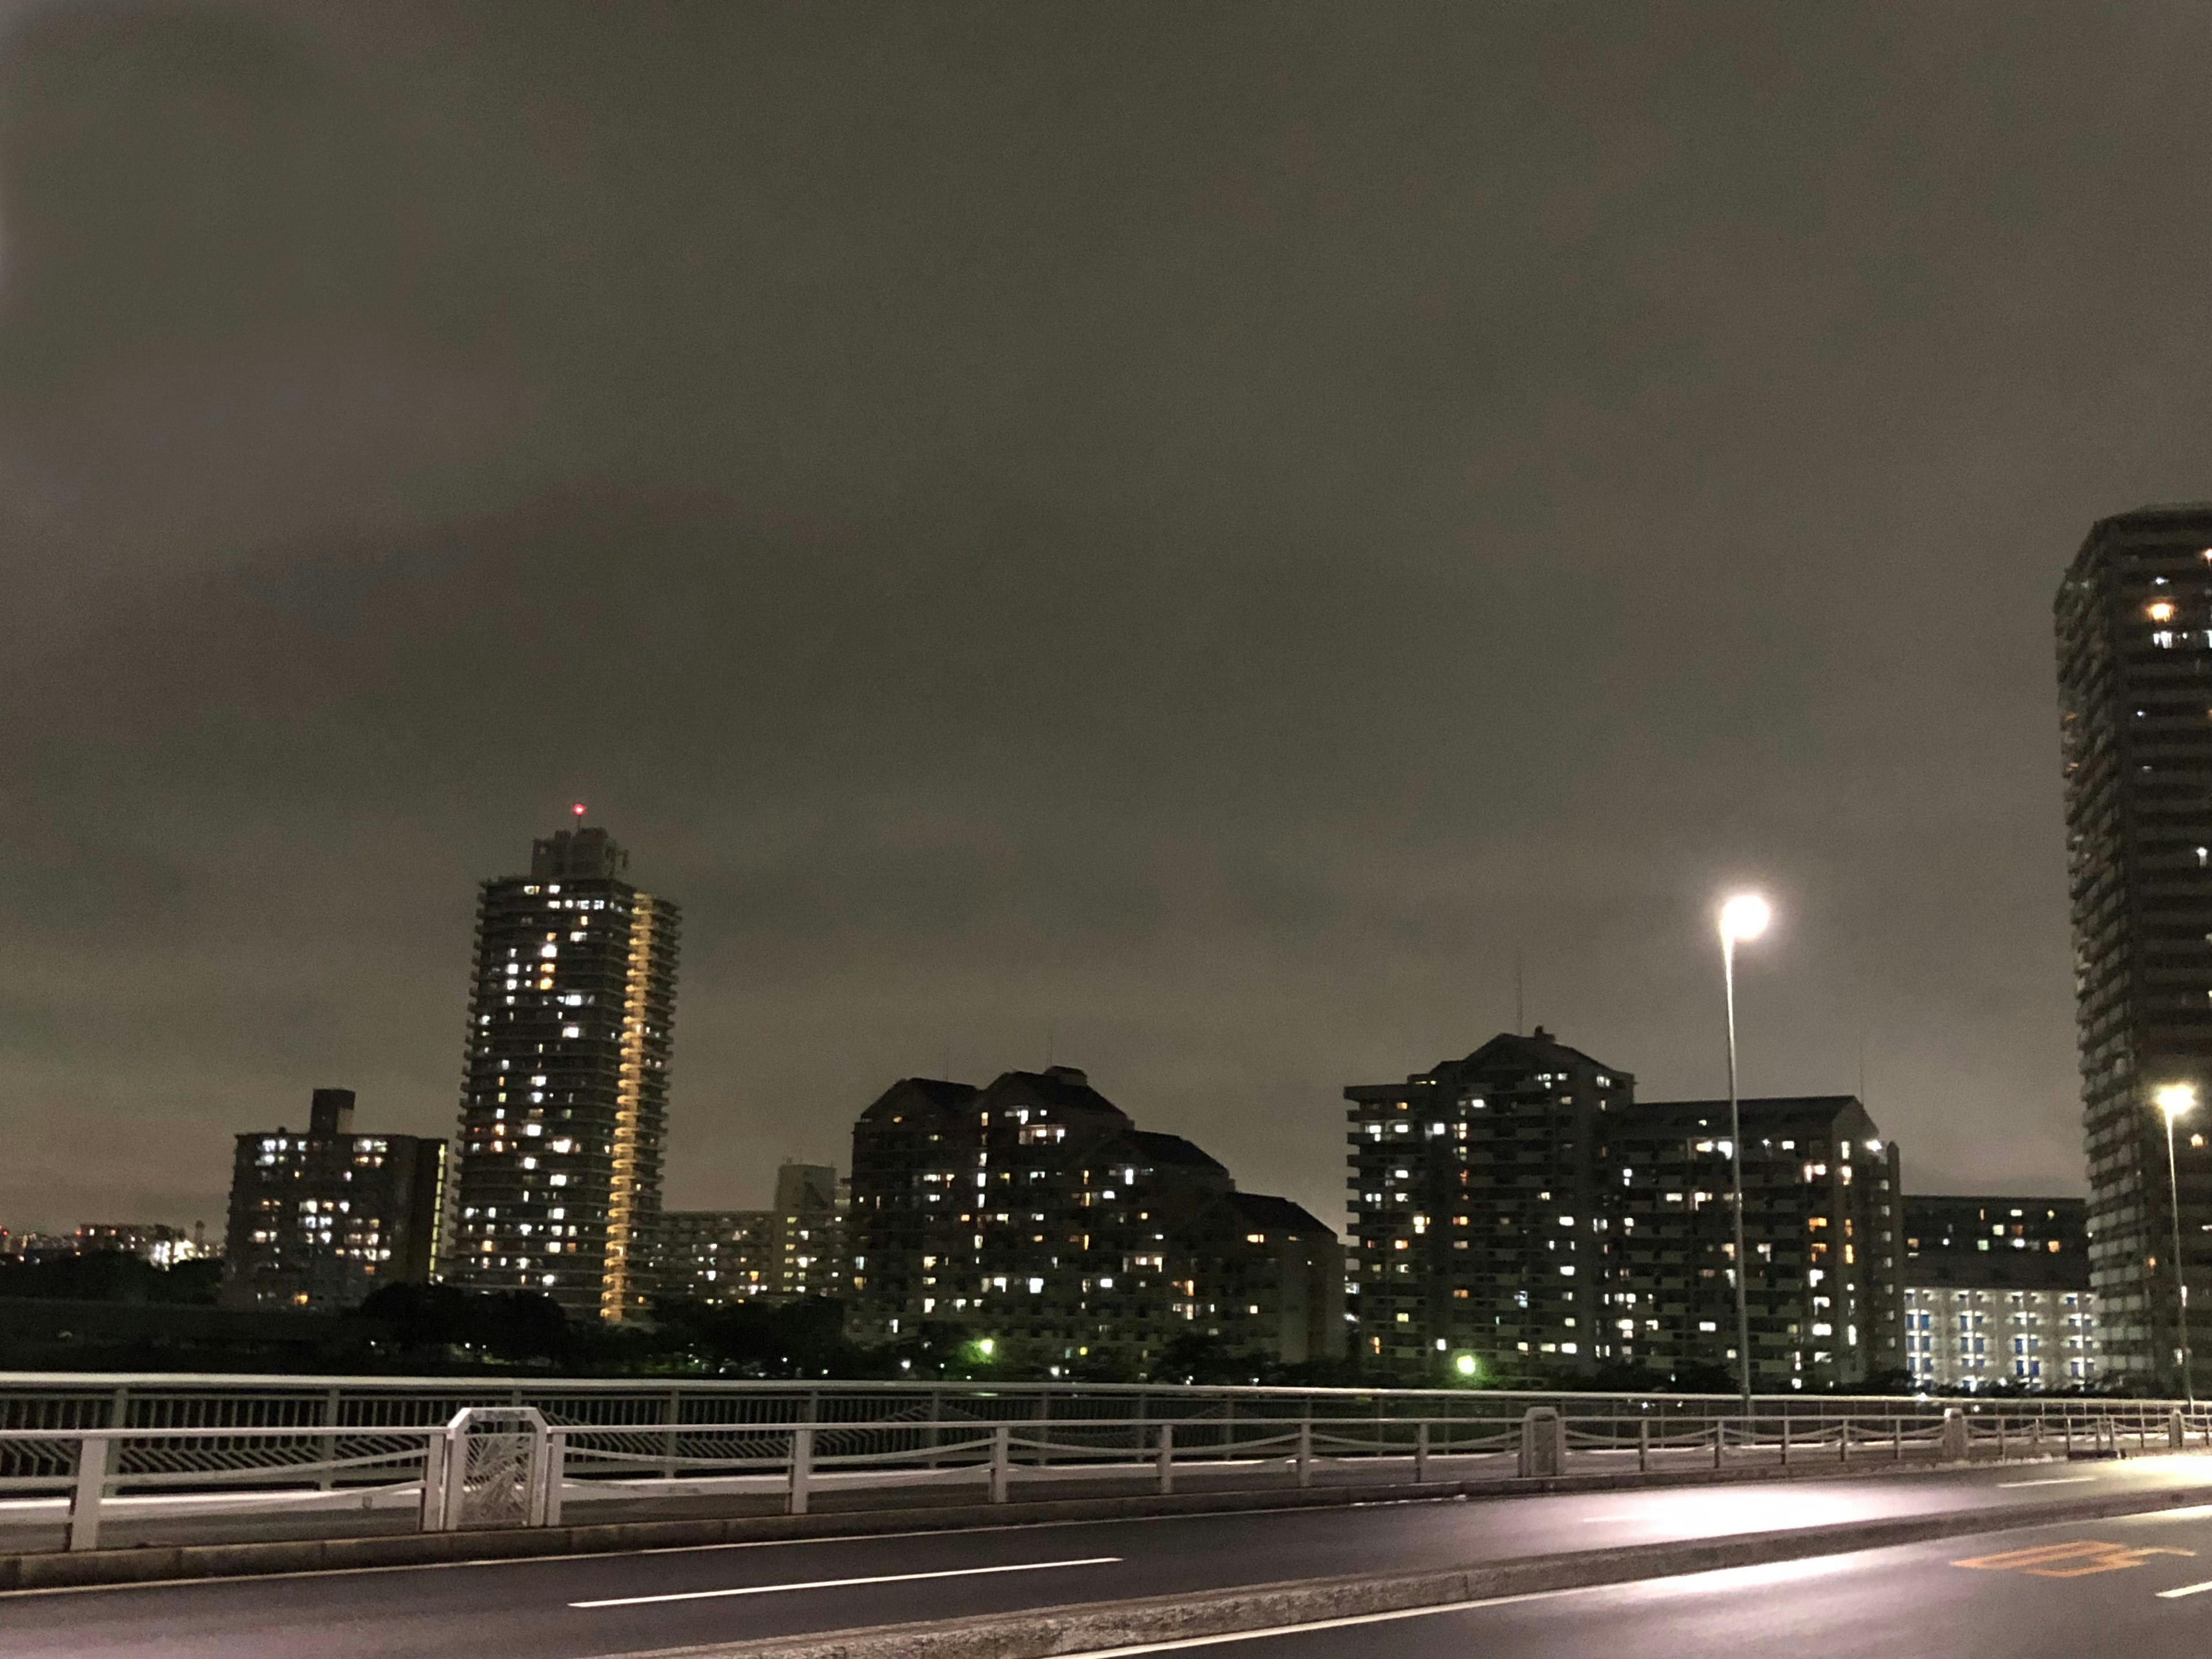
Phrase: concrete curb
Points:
(167, 1563)
(1092, 1626)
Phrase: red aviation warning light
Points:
(578, 809)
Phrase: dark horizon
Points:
(1186, 542)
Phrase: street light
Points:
(1744, 916)
(2177, 1100)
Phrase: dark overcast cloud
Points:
(1190, 534)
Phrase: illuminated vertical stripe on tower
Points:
(629, 1108)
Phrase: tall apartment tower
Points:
(2135, 696)
(565, 1106)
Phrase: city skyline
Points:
(1192, 569)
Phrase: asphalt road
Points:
(603, 1604)
(2139, 1587)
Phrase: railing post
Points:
(2001, 1437)
(668, 1440)
(1543, 1443)
(2067, 1426)
(1001, 1437)
(433, 1482)
(1897, 1439)
(1785, 1440)
(1955, 1446)
(1843, 1442)
(556, 1466)
(1643, 1445)
(1305, 1450)
(1421, 1453)
(2177, 1432)
(332, 1398)
(802, 1468)
(1166, 1459)
(91, 1487)
(1720, 1433)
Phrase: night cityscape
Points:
(875, 831)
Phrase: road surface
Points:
(2139, 1587)
(577, 1608)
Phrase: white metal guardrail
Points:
(493, 1459)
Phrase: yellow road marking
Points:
(2076, 1559)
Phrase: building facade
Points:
(2134, 618)
(1034, 1213)
(320, 1219)
(1821, 1220)
(796, 1249)
(156, 1243)
(1519, 1212)
(1996, 1293)
(1476, 1221)
(564, 1105)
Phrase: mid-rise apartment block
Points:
(564, 1106)
(2134, 619)
(1519, 1209)
(1034, 1213)
(320, 1217)
(1822, 1219)
(156, 1243)
(1996, 1293)
(796, 1249)
(1476, 1220)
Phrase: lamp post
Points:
(2176, 1100)
(1743, 917)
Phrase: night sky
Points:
(1176, 538)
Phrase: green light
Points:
(987, 1346)
(1466, 1365)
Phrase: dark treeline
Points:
(112, 1312)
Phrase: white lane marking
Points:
(1337, 1624)
(2187, 1589)
(841, 1584)
(2057, 1480)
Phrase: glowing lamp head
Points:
(987, 1346)
(1465, 1364)
(1744, 916)
(2176, 1100)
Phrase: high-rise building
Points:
(1996, 1293)
(1476, 1219)
(2134, 619)
(795, 1250)
(319, 1220)
(1821, 1220)
(1034, 1213)
(564, 1110)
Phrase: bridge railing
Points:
(499, 1463)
